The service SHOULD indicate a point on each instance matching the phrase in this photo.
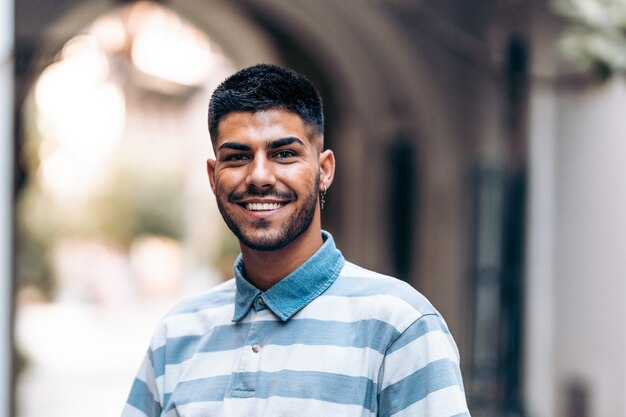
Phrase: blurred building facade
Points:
(469, 164)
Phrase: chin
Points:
(270, 240)
(264, 245)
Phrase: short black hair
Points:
(264, 87)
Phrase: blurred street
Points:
(81, 357)
(81, 360)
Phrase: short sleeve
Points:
(143, 400)
(420, 375)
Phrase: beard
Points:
(260, 235)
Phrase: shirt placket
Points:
(245, 379)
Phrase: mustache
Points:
(237, 196)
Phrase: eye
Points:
(284, 154)
(235, 157)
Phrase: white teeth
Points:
(262, 206)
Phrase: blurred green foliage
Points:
(595, 39)
(34, 229)
(135, 202)
(34, 236)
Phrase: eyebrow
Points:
(274, 144)
(234, 146)
(284, 142)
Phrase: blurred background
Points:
(481, 152)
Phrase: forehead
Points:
(261, 126)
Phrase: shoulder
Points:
(389, 297)
(217, 296)
(358, 281)
(197, 314)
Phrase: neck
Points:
(266, 268)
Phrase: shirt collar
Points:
(296, 290)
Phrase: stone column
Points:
(6, 199)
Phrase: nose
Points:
(260, 173)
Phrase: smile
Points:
(263, 206)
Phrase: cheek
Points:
(301, 178)
(226, 180)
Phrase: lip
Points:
(261, 201)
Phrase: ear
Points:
(210, 169)
(327, 168)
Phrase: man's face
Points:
(265, 177)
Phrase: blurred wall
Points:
(576, 293)
(576, 326)
(590, 228)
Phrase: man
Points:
(298, 331)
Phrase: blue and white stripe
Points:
(369, 345)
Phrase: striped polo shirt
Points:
(330, 339)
